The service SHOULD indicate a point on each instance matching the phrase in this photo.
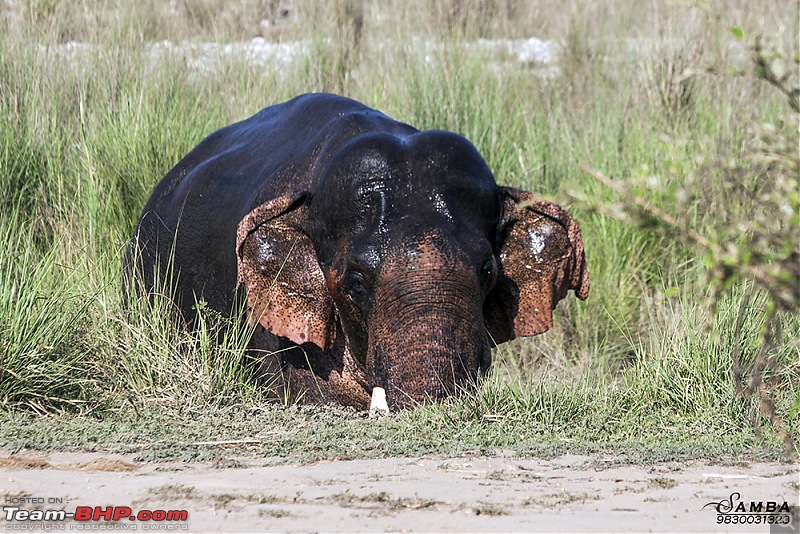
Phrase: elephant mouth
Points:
(439, 377)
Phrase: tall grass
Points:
(84, 140)
(42, 362)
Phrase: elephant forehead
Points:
(440, 205)
(434, 249)
(437, 167)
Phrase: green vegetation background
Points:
(663, 99)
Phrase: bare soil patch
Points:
(427, 494)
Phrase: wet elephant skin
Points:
(368, 253)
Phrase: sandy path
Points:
(480, 494)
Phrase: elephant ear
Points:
(541, 259)
(285, 287)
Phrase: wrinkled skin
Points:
(368, 252)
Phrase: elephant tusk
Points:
(378, 407)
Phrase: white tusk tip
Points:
(378, 406)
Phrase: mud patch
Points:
(39, 461)
(100, 464)
(18, 463)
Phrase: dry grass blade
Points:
(671, 222)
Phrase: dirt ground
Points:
(428, 494)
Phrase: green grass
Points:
(643, 366)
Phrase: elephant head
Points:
(410, 257)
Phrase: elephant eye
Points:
(355, 284)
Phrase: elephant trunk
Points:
(427, 335)
(422, 371)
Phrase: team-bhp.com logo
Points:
(27, 513)
(734, 511)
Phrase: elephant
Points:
(367, 254)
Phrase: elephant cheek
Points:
(330, 281)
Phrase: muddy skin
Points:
(370, 254)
